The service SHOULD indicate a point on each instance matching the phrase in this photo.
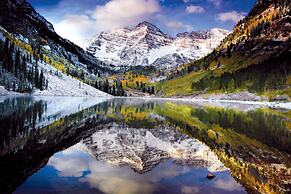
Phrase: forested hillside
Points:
(16, 74)
(29, 69)
(29, 41)
(254, 58)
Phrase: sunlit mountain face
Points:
(151, 146)
(146, 45)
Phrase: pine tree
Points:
(36, 76)
(10, 64)
(106, 86)
(24, 67)
(82, 77)
(153, 90)
(41, 81)
(7, 86)
(46, 84)
(6, 54)
(14, 86)
(114, 93)
(17, 65)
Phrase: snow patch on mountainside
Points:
(63, 85)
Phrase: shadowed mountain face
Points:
(135, 140)
(20, 19)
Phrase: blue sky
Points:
(80, 20)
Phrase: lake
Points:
(141, 146)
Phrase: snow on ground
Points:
(4, 92)
(61, 85)
(284, 105)
(64, 85)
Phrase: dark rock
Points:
(280, 98)
(210, 176)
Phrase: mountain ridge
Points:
(20, 18)
(146, 45)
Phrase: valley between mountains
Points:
(252, 62)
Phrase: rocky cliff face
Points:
(143, 149)
(146, 45)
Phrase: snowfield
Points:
(63, 85)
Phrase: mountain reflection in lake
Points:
(79, 145)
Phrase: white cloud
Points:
(75, 28)
(68, 166)
(216, 3)
(231, 16)
(228, 184)
(118, 13)
(194, 9)
(113, 14)
(114, 180)
(179, 25)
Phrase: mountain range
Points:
(254, 57)
(147, 45)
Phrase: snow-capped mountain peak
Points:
(148, 26)
(145, 45)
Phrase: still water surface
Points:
(128, 146)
